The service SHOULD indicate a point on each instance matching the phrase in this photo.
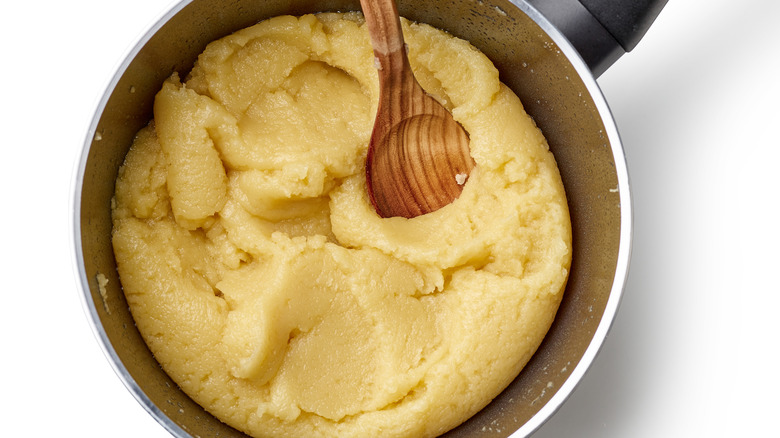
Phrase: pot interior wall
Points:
(529, 62)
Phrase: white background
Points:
(694, 349)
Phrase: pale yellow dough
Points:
(268, 288)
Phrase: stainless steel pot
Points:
(553, 77)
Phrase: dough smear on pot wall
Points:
(269, 289)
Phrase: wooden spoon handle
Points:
(384, 26)
(399, 89)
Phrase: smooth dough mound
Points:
(269, 289)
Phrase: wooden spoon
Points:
(418, 156)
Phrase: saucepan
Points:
(548, 51)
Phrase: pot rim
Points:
(87, 301)
(626, 224)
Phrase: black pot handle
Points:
(601, 30)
